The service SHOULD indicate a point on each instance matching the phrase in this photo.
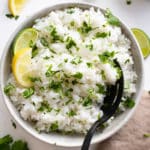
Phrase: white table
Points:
(135, 15)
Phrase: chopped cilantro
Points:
(6, 140)
(89, 64)
(70, 11)
(6, 143)
(111, 19)
(19, 145)
(85, 28)
(72, 23)
(28, 92)
(71, 113)
(127, 61)
(77, 60)
(54, 126)
(44, 107)
(34, 51)
(66, 60)
(54, 35)
(44, 42)
(87, 102)
(78, 75)
(128, 2)
(98, 116)
(13, 124)
(105, 56)
(101, 88)
(101, 35)
(90, 46)
(10, 16)
(42, 88)
(129, 102)
(9, 88)
(46, 57)
(49, 71)
(70, 43)
(74, 82)
(34, 79)
(69, 101)
(55, 85)
(91, 93)
(146, 135)
(103, 74)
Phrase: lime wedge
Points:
(26, 38)
(143, 40)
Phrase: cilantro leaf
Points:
(19, 145)
(78, 75)
(28, 92)
(111, 19)
(9, 88)
(85, 28)
(129, 102)
(105, 56)
(101, 34)
(6, 140)
(54, 126)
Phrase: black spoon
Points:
(111, 103)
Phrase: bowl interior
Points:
(59, 139)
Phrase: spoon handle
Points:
(91, 132)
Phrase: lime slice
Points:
(21, 66)
(15, 6)
(24, 39)
(143, 40)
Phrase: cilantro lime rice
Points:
(72, 64)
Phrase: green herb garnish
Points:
(77, 60)
(101, 88)
(87, 102)
(129, 103)
(103, 74)
(10, 16)
(127, 61)
(34, 79)
(101, 35)
(70, 43)
(89, 64)
(44, 107)
(54, 126)
(54, 35)
(111, 19)
(105, 56)
(35, 51)
(71, 113)
(85, 28)
(28, 92)
(8, 89)
(55, 85)
(72, 23)
(44, 42)
(90, 46)
(13, 124)
(128, 2)
(19, 145)
(78, 75)
(6, 143)
(146, 135)
(70, 11)
(49, 71)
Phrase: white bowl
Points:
(70, 140)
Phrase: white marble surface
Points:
(135, 15)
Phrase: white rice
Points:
(69, 113)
